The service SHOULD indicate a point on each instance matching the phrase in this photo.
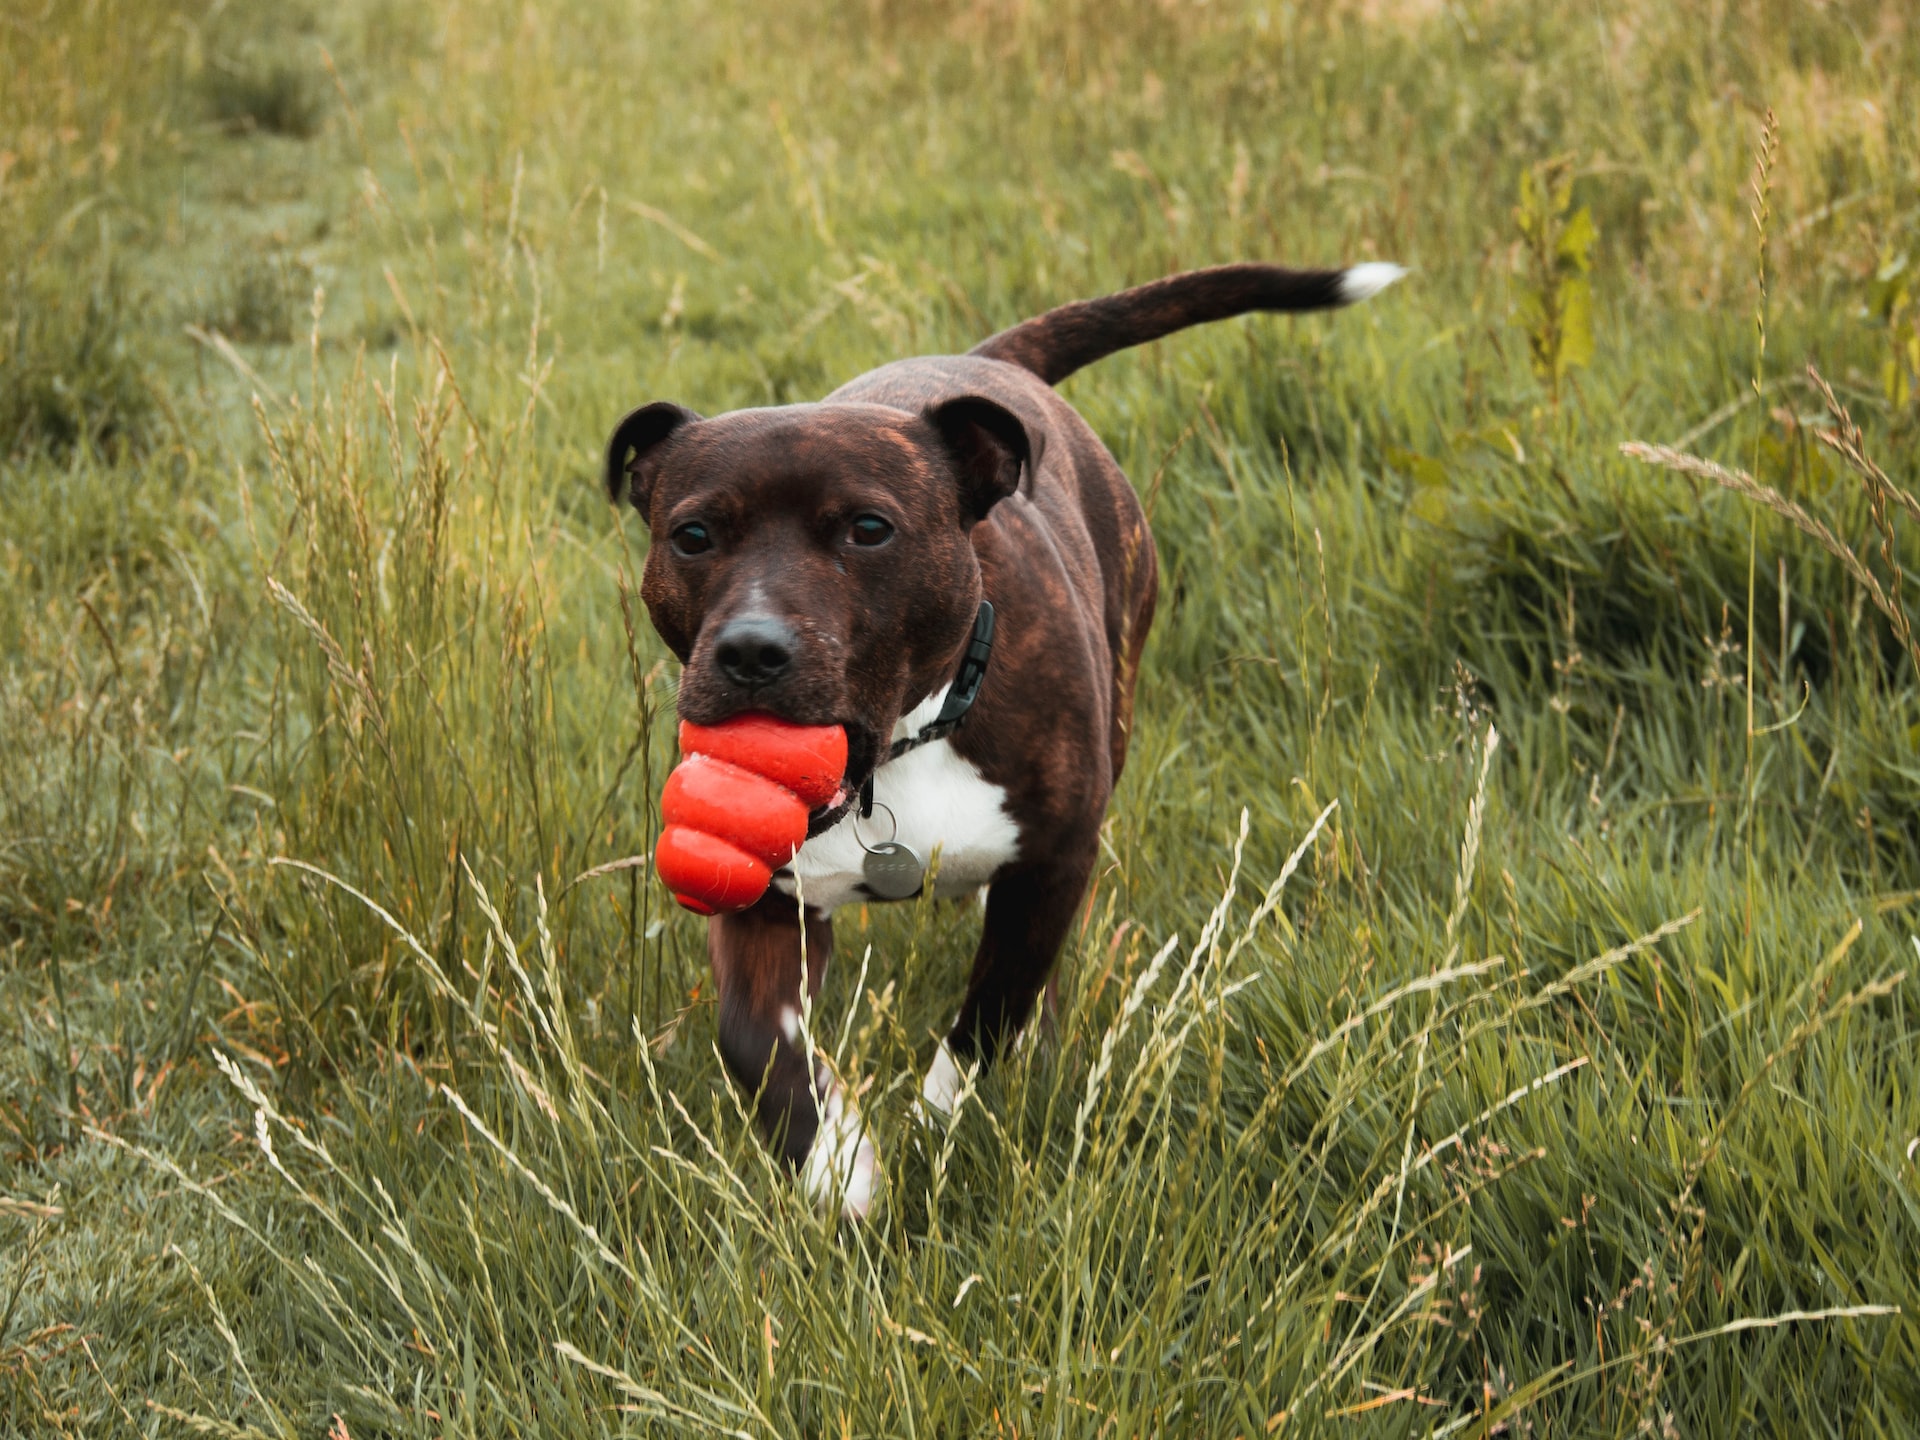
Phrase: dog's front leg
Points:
(757, 963)
(1030, 908)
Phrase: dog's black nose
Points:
(755, 650)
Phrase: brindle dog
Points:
(826, 563)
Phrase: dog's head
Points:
(814, 561)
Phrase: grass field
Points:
(1567, 1086)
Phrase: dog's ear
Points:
(630, 474)
(991, 449)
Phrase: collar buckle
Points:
(964, 690)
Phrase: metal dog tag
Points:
(893, 871)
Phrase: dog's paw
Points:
(940, 1091)
(842, 1167)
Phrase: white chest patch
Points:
(939, 801)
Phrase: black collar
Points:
(960, 697)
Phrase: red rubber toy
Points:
(736, 806)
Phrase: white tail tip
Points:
(1363, 282)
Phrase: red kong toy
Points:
(736, 806)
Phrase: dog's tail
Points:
(1056, 344)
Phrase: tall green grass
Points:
(1491, 1013)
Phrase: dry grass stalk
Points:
(1845, 440)
(1741, 483)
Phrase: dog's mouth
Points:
(863, 758)
(866, 745)
(809, 696)
(707, 704)
(863, 754)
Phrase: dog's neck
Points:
(934, 718)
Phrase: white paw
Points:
(942, 1084)
(841, 1167)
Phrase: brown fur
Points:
(995, 488)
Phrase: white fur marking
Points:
(1363, 282)
(841, 1165)
(922, 714)
(790, 1024)
(939, 801)
(941, 1085)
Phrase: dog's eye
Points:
(871, 530)
(692, 538)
